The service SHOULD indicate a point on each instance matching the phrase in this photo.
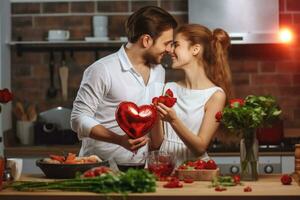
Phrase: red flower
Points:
(5, 96)
(218, 116)
(235, 103)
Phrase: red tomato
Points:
(211, 164)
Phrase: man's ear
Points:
(197, 49)
(146, 40)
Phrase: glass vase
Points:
(249, 155)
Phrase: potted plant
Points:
(243, 117)
(271, 130)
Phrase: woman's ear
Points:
(147, 40)
(197, 49)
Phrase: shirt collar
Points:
(125, 62)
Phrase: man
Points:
(131, 74)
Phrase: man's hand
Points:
(133, 144)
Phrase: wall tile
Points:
(174, 5)
(270, 79)
(292, 5)
(21, 22)
(112, 6)
(55, 7)
(83, 7)
(25, 8)
(135, 5)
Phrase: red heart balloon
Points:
(135, 121)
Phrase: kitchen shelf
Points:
(236, 51)
(71, 45)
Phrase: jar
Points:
(297, 151)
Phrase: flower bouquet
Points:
(243, 117)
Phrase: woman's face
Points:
(182, 52)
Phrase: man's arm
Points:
(92, 89)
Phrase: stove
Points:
(273, 159)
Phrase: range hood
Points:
(246, 21)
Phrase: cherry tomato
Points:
(248, 189)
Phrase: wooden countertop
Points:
(267, 187)
(44, 151)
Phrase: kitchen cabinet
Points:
(267, 187)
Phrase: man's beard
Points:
(151, 59)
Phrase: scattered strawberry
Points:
(286, 179)
(248, 189)
(188, 180)
(173, 183)
(220, 188)
(237, 179)
(211, 164)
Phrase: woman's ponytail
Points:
(220, 73)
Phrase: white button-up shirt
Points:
(105, 84)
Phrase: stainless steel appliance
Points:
(246, 21)
(273, 159)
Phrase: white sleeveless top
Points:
(190, 110)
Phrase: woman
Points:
(187, 128)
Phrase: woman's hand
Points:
(166, 113)
(133, 144)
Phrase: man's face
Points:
(161, 46)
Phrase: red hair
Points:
(215, 53)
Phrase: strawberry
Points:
(169, 93)
(236, 179)
(211, 164)
(200, 164)
(155, 100)
(170, 101)
(162, 99)
(248, 189)
(188, 180)
(286, 179)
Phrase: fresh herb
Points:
(134, 180)
(224, 181)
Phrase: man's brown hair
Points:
(149, 20)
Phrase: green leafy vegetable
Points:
(134, 180)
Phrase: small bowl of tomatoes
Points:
(161, 163)
(198, 170)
